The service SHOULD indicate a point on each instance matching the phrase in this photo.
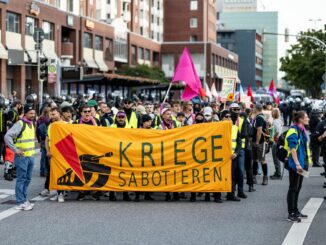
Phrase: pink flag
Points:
(273, 92)
(186, 72)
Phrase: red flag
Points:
(186, 72)
(249, 93)
(67, 148)
(273, 92)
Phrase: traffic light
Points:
(43, 72)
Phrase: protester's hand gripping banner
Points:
(195, 158)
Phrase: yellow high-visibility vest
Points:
(286, 145)
(243, 141)
(234, 136)
(26, 142)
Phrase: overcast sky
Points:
(295, 14)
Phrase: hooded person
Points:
(132, 119)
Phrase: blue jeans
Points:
(43, 166)
(240, 169)
(24, 170)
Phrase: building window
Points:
(152, 18)
(193, 38)
(147, 54)
(141, 30)
(133, 55)
(193, 22)
(158, 36)
(158, 21)
(30, 25)
(48, 29)
(140, 53)
(98, 43)
(87, 40)
(70, 5)
(108, 1)
(193, 5)
(12, 22)
(108, 55)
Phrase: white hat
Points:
(208, 110)
(234, 105)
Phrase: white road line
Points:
(8, 212)
(39, 199)
(298, 231)
(3, 196)
(11, 211)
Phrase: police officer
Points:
(315, 119)
(320, 136)
(21, 139)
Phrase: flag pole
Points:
(167, 92)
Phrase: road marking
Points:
(8, 212)
(11, 211)
(39, 199)
(3, 196)
(298, 231)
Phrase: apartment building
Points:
(192, 24)
(144, 17)
(72, 38)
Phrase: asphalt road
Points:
(260, 219)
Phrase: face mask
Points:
(196, 109)
(208, 117)
(234, 115)
(199, 120)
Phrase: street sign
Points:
(38, 35)
(70, 73)
(52, 73)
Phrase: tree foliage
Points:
(304, 64)
(144, 71)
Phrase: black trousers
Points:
(286, 118)
(249, 167)
(294, 190)
(234, 173)
(315, 152)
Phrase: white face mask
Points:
(208, 117)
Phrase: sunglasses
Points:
(87, 111)
(235, 109)
(227, 116)
(128, 103)
(121, 117)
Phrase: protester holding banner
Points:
(55, 116)
(132, 120)
(188, 110)
(67, 114)
(146, 124)
(242, 127)
(236, 147)
(86, 118)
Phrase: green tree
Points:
(144, 71)
(304, 63)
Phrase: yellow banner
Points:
(190, 159)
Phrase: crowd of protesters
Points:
(255, 132)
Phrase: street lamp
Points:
(315, 21)
(303, 36)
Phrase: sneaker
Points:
(242, 195)
(61, 198)
(20, 206)
(301, 215)
(251, 189)
(293, 218)
(233, 198)
(81, 196)
(28, 206)
(275, 177)
(54, 198)
(254, 179)
(265, 180)
(95, 197)
(45, 193)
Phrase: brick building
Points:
(100, 36)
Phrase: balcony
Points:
(67, 50)
(127, 16)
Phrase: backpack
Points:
(281, 152)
